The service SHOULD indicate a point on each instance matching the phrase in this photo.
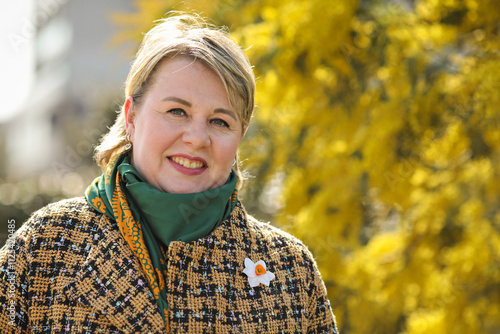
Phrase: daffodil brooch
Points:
(257, 273)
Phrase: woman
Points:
(160, 243)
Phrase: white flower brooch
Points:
(257, 273)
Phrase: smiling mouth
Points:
(187, 162)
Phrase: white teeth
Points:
(187, 163)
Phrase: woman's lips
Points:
(188, 165)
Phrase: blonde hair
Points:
(187, 35)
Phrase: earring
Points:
(128, 146)
(234, 162)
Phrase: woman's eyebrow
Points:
(177, 99)
(227, 112)
(188, 104)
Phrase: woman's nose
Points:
(196, 134)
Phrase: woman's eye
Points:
(176, 112)
(220, 122)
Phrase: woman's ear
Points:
(129, 111)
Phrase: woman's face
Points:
(184, 133)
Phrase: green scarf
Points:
(150, 219)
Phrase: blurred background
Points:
(376, 139)
(61, 82)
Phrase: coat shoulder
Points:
(275, 235)
(65, 211)
(57, 218)
(273, 240)
(72, 207)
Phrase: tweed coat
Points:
(71, 271)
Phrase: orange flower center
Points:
(260, 270)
